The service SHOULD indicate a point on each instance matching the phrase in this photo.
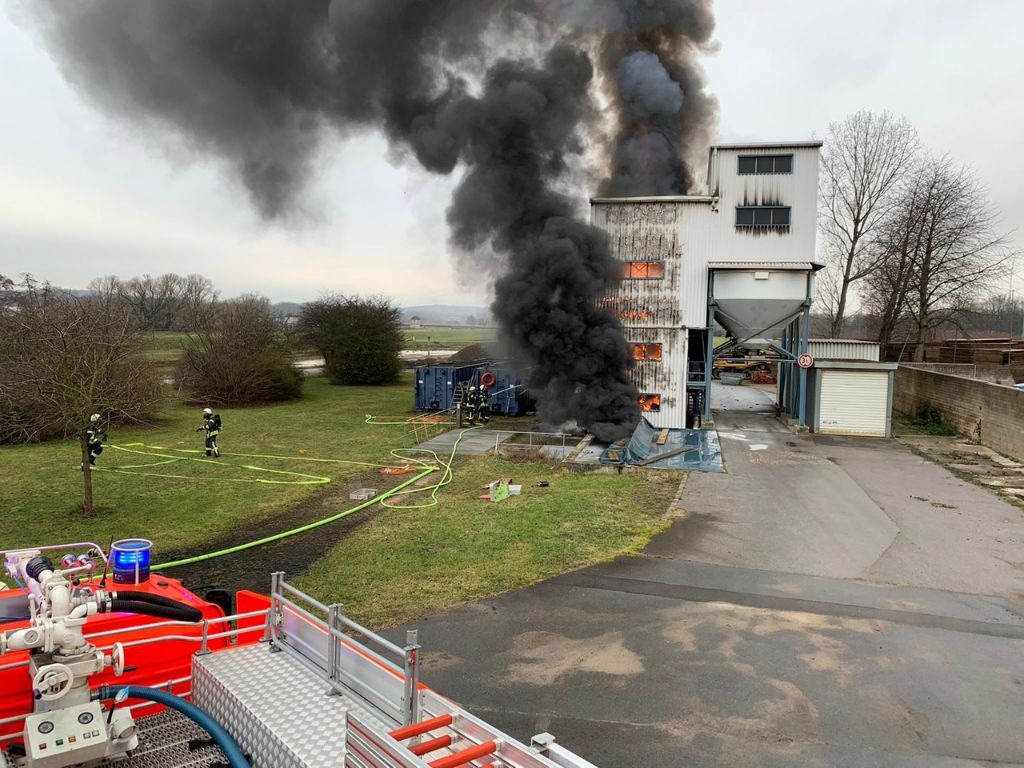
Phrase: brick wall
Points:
(990, 413)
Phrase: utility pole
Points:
(1009, 303)
(1013, 275)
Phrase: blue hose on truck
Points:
(220, 736)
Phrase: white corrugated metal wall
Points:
(666, 377)
(798, 189)
(697, 223)
(650, 310)
(853, 402)
(844, 349)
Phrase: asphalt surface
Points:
(828, 602)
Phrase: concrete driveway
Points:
(828, 602)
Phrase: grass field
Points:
(43, 482)
(164, 349)
(411, 563)
(451, 337)
(400, 564)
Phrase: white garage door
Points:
(854, 403)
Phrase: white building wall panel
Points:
(644, 233)
(697, 225)
(649, 309)
(666, 377)
(798, 190)
(853, 403)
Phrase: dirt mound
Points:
(475, 353)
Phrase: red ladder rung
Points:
(418, 729)
(426, 747)
(465, 756)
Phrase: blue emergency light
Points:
(131, 560)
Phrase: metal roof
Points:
(806, 144)
(796, 266)
(843, 341)
(655, 199)
(856, 365)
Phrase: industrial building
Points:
(741, 255)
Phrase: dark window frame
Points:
(779, 216)
(759, 163)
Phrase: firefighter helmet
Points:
(207, 412)
(94, 418)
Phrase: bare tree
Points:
(864, 159)
(167, 302)
(827, 285)
(1000, 313)
(196, 300)
(956, 252)
(898, 240)
(66, 357)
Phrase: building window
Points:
(751, 165)
(649, 402)
(647, 352)
(644, 270)
(763, 216)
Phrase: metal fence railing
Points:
(350, 657)
(528, 441)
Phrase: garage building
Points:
(851, 397)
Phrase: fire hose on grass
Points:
(401, 489)
(302, 478)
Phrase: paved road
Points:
(828, 602)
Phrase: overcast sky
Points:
(83, 196)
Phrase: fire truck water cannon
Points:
(67, 726)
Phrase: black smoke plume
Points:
(664, 116)
(262, 84)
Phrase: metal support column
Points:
(784, 371)
(334, 629)
(709, 360)
(794, 377)
(805, 344)
(411, 694)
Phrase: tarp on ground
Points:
(683, 449)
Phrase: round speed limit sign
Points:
(805, 360)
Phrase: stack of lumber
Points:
(990, 351)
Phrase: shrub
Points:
(243, 357)
(929, 420)
(360, 339)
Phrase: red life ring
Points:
(488, 379)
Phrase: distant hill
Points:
(448, 313)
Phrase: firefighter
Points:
(471, 405)
(484, 404)
(211, 424)
(95, 436)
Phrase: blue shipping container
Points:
(435, 387)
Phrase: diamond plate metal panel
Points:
(277, 710)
